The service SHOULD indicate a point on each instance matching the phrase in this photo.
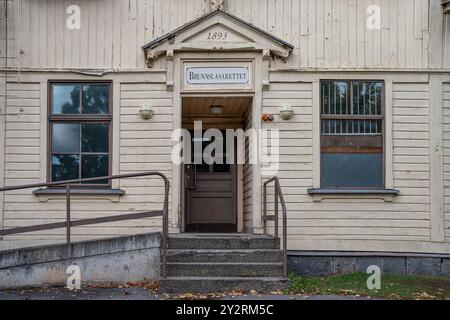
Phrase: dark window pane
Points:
(96, 99)
(221, 168)
(367, 98)
(352, 170)
(325, 98)
(66, 99)
(95, 166)
(202, 168)
(95, 137)
(65, 167)
(66, 138)
(334, 98)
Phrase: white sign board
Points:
(217, 75)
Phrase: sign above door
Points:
(217, 75)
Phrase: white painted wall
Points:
(326, 36)
(325, 33)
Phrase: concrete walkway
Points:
(144, 294)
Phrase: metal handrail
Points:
(68, 223)
(278, 195)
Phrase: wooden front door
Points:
(211, 204)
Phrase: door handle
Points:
(192, 177)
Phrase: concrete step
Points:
(221, 284)
(207, 269)
(223, 242)
(209, 255)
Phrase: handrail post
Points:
(264, 209)
(165, 230)
(285, 262)
(283, 204)
(276, 209)
(69, 247)
(278, 198)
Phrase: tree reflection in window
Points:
(352, 134)
(80, 98)
(80, 148)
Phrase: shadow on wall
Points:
(117, 260)
(331, 263)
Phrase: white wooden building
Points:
(364, 161)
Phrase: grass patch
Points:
(392, 286)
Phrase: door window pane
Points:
(95, 137)
(95, 99)
(66, 138)
(221, 168)
(66, 99)
(65, 167)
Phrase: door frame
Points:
(238, 176)
(260, 72)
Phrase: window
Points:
(352, 134)
(79, 131)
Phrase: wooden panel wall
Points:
(325, 33)
(447, 41)
(333, 33)
(446, 136)
(248, 179)
(337, 223)
(111, 35)
(3, 35)
(143, 146)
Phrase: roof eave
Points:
(152, 44)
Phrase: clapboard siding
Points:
(2, 141)
(325, 33)
(143, 146)
(446, 140)
(146, 145)
(248, 179)
(407, 218)
(411, 159)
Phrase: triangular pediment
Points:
(216, 31)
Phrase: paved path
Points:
(142, 294)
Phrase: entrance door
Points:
(211, 204)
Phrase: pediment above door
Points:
(216, 31)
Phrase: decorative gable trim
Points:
(237, 35)
(446, 4)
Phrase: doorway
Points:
(213, 193)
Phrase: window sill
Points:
(320, 194)
(47, 194)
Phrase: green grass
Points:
(392, 286)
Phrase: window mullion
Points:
(81, 151)
(81, 99)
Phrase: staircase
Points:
(218, 263)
